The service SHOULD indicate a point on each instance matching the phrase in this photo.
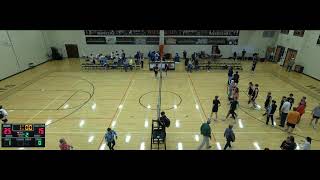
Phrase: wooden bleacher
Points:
(111, 65)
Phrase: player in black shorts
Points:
(236, 78)
(156, 70)
(215, 108)
(271, 110)
(254, 62)
(166, 68)
(291, 100)
(254, 95)
(233, 107)
(267, 103)
(250, 91)
(281, 103)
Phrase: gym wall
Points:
(18, 49)
(251, 38)
(308, 50)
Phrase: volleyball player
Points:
(291, 100)
(302, 106)
(236, 77)
(166, 67)
(110, 137)
(3, 114)
(233, 107)
(64, 145)
(315, 116)
(267, 103)
(230, 90)
(235, 93)
(254, 63)
(271, 110)
(281, 103)
(250, 91)
(215, 107)
(255, 95)
(230, 74)
(156, 70)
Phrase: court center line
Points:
(191, 85)
(194, 98)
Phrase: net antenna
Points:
(160, 88)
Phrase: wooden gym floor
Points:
(81, 105)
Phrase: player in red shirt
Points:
(64, 146)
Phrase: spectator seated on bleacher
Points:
(157, 56)
(131, 64)
(112, 56)
(177, 58)
(120, 62)
(92, 59)
(196, 65)
(202, 54)
(103, 60)
(153, 56)
(190, 66)
(193, 56)
(136, 56)
(209, 65)
(125, 64)
(149, 55)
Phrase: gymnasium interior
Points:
(70, 86)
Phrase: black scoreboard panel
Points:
(201, 32)
(122, 32)
(96, 40)
(200, 41)
(23, 135)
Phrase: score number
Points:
(26, 127)
(7, 131)
(41, 131)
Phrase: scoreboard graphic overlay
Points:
(23, 135)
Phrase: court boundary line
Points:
(199, 102)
